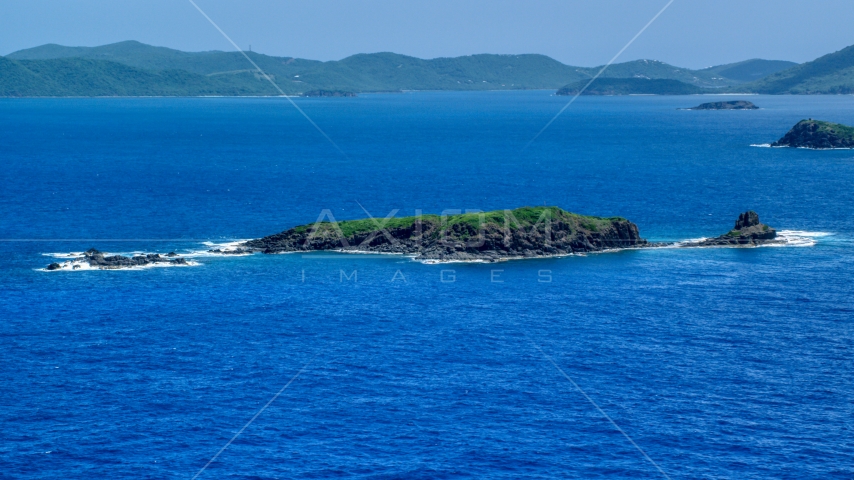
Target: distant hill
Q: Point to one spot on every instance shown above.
(133, 68)
(653, 69)
(394, 72)
(631, 86)
(358, 73)
(96, 78)
(140, 55)
(748, 70)
(831, 74)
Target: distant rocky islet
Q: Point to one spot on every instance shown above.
(727, 105)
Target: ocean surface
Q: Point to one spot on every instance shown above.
(717, 363)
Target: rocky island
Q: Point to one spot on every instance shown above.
(730, 105)
(490, 236)
(527, 232)
(748, 232)
(817, 135)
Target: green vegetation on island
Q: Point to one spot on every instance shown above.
(520, 218)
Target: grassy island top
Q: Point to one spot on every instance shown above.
(524, 218)
(843, 131)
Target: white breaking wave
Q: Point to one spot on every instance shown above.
(73, 255)
(798, 238)
(789, 238)
(687, 241)
(63, 254)
(768, 145)
(835, 148)
(227, 249)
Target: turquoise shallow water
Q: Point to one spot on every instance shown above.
(719, 363)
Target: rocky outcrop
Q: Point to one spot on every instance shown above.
(817, 135)
(730, 105)
(748, 232)
(96, 259)
(491, 236)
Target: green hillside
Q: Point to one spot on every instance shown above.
(358, 73)
(393, 72)
(95, 78)
(140, 55)
(655, 70)
(831, 74)
(748, 70)
(75, 76)
(631, 86)
(133, 68)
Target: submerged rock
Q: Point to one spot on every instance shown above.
(748, 232)
(818, 135)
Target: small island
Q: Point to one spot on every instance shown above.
(490, 236)
(748, 232)
(730, 105)
(817, 135)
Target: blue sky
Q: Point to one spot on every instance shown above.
(691, 33)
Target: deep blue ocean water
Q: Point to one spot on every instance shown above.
(718, 363)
